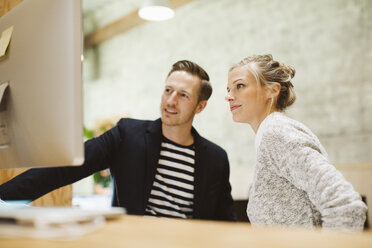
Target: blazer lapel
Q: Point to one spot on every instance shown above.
(200, 174)
(153, 140)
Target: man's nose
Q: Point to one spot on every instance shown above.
(172, 98)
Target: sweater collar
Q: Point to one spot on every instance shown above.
(261, 130)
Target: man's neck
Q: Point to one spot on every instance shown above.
(178, 134)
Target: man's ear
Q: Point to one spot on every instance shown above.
(201, 105)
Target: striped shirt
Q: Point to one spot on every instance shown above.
(172, 193)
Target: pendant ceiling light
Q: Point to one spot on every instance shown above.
(156, 10)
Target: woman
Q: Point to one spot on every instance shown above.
(294, 183)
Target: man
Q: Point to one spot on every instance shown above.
(161, 168)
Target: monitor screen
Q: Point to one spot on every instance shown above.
(41, 122)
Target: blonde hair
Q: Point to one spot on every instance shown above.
(267, 72)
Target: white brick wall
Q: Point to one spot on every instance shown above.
(329, 42)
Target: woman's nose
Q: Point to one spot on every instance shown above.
(229, 97)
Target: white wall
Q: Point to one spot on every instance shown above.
(329, 42)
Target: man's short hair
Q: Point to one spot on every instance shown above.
(205, 90)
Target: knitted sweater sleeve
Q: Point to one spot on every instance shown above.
(297, 155)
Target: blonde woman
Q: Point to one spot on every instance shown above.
(294, 183)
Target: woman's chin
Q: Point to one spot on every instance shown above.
(236, 119)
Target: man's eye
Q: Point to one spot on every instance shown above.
(167, 90)
(184, 95)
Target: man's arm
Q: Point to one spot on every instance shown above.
(34, 183)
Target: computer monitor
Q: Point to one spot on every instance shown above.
(41, 116)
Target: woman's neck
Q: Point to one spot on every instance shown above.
(256, 125)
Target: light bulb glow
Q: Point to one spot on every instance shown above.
(156, 13)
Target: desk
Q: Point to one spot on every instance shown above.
(137, 231)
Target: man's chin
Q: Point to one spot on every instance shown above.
(167, 121)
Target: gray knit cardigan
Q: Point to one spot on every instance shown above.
(294, 183)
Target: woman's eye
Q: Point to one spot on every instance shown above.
(238, 86)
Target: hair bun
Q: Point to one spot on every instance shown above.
(291, 71)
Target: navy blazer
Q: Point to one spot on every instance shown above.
(131, 151)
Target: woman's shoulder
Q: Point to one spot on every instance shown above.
(285, 138)
(285, 129)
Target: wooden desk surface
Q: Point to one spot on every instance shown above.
(136, 231)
